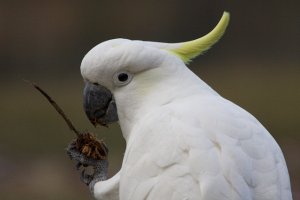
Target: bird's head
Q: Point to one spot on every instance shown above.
(117, 70)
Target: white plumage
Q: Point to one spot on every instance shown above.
(183, 140)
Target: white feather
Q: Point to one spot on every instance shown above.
(184, 141)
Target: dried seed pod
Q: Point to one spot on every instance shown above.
(90, 146)
(86, 143)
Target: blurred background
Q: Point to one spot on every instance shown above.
(256, 65)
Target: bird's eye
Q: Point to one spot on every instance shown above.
(122, 78)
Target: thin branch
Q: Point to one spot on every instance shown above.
(57, 108)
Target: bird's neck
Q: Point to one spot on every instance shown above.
(144, 97)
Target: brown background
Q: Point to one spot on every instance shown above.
(255, 65)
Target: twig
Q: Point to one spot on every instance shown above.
(57, 108)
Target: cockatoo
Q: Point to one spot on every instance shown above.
(183, 140)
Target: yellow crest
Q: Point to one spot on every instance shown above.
(189, 50)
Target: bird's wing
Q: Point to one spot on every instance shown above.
(212, 151)
(250, 164)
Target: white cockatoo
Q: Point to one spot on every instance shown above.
(183, 140)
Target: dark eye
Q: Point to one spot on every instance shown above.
(122, 78)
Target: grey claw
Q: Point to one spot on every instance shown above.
(86, 178)
(100, 167)
(78, 165)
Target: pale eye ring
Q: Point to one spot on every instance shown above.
(122, 78)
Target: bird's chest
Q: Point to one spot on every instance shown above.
(149, 161)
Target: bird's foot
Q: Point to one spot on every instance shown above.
(92, 170)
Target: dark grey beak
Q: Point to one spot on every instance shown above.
(99, 105)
